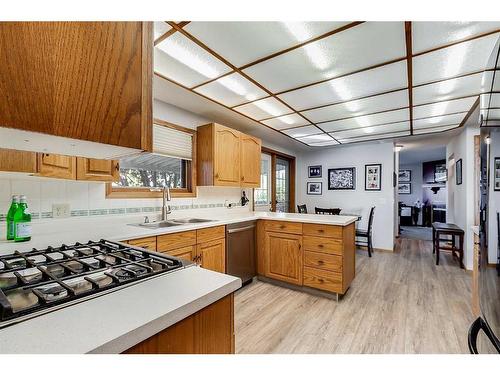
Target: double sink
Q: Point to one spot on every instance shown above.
(172, 223)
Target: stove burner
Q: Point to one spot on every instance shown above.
(39, 280)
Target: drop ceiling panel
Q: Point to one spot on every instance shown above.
(284, 122)
(236, 41)
(461, 58)
(315, 138)
(385, 78)
(443, 108)
(232, 90)
(373, 130)
(264, 108)
(494, 114)
(428, 35)
(360, 107)
(303, 131)
(359, 47)
(366, 121)
(160, 28)
(374, 137)
(449, 89)
(185, 62)
(438, 121)
(489, 101)
(434, 129)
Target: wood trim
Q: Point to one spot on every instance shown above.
(409, 69)
(471, 110)
(273, 182)
(168, 33)
(147, 87)
(115, 192)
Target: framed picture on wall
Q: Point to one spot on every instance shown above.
(404, 188)
(404, 175)
(314, 188)
(458, 172)
(342, 178)
(497, 174)
(315, 171)
(373, 177)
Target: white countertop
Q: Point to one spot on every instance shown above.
(54, 232)
(117, 321)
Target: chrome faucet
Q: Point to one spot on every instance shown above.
(165, 209)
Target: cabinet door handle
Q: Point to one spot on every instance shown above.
(242, 178)
(216, 175)
(117, 167)
(321, 262)
(282, 227)
(321, 280)
(320, 230)
(320, 246)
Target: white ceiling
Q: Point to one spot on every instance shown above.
(328, 83)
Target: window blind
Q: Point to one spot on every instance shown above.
(172, 143)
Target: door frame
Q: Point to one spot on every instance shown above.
(291, 159)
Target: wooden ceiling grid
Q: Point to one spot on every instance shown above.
(178, 27)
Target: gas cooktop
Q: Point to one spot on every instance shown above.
(39, 281)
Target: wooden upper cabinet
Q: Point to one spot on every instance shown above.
(283, 257)
(82, 80)
(57, 166)
(17, 161)
(97, 170)
(250, 161)
(227, 157)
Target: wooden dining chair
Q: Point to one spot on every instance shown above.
(327, 211)
(364, 237)
(302, 209)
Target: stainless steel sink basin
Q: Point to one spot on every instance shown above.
(192, 220)
(158, 224)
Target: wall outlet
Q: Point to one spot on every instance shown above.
(60, 210)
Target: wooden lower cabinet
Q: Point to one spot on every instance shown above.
(212, 255)
(209, 331)
(283, 257)
(148, 243)
(313, 255)
(186, 252)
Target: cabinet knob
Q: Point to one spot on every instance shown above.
(320, 246)
(242, 178)
(321, 280)
(216, 175)
(320, 230)
(320, 262)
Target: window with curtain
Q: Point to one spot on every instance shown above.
(170, 164)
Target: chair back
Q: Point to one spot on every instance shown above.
(327, 211)
(370, 219)
(302, 209)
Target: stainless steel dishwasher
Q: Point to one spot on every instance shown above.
(240, 251)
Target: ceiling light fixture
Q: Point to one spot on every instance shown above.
(268, 108)
(186, 57)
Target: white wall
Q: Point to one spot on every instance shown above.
(493, 199)
(460, 198)
(359, 199)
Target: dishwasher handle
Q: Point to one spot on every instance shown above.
(236, 230)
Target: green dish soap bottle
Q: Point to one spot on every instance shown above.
(10, 217)
(22, 221)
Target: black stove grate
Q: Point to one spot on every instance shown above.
(39, 280)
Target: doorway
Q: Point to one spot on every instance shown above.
(277, 183)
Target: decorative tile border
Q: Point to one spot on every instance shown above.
(123, 211)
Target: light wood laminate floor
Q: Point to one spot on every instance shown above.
(398, 303)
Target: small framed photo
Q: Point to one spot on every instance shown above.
(458, 173)
(315, 171)
(404, 175)
(404, 188)
(314, 188)
(342, 178)
(496, 176)
(373, 177)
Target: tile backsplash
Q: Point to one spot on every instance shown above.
(88, 198)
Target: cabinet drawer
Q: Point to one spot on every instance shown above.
(323, 230)
(283, 226)
(186, 252)
(209, 234)
(173, 241)
(324, 280)
(323, 245)
(323, 261)
(146, 243)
